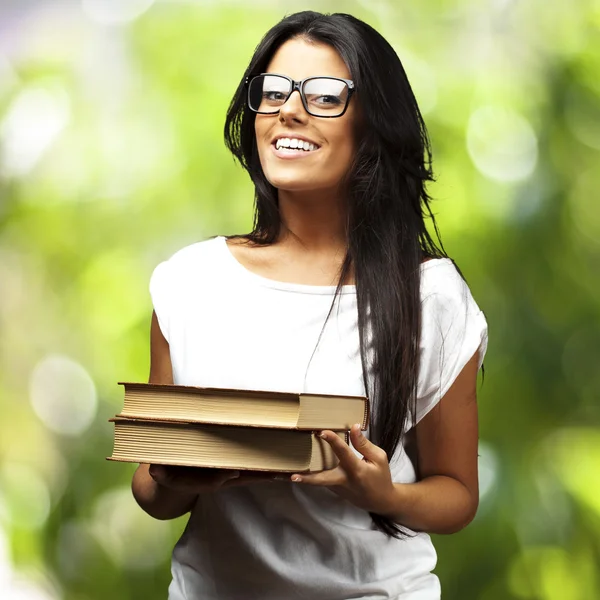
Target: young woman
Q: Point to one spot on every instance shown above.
(338, 289)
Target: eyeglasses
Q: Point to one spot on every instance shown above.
(321, 96)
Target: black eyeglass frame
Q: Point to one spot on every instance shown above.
(299, 86)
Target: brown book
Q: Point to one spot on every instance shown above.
(243, 407)
(207, 445)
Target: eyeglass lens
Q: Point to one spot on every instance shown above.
(324, 96)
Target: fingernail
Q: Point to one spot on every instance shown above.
(296, 478)
(323, 435)
(233, 475)
(357, 425)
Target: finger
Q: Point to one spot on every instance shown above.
(163, 474)
(156, 472)
(199, 479)
(332, 477)
(348, 460)
(190, 478)
(226, 476)
(368, 449)
(250, 476)
(245, 480)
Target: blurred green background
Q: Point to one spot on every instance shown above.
(111, 158)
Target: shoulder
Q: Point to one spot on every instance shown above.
(194, 257)
(444, 292)
(196, 253)
(188, 265)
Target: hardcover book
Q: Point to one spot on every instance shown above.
(218, 446)
(242, 407)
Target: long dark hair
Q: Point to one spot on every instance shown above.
(387, 206)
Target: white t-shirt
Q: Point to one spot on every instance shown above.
(229, 327)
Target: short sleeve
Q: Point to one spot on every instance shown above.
(453, 329)
(161, 292)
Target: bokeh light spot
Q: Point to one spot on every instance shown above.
(63, 395)
(502, 144)
(128, 535)
(32, 123)
(74, 549)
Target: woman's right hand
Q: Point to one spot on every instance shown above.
(196, 480)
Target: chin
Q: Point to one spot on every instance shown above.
(291, 185)
(297, 182)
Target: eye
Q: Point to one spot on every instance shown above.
(327, 99)
(273, 96)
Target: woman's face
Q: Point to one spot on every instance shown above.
(320, 169)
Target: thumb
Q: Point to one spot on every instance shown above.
(367, 448)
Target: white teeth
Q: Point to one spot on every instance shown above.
(294, 143)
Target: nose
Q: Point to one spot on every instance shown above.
(293, 109)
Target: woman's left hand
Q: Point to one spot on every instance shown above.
(366, 482)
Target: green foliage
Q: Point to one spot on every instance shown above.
(111, 158)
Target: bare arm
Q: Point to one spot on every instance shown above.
(446, 497)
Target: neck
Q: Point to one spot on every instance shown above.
(314, 220)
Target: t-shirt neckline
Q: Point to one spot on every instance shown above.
(301, 288)
(285, 286)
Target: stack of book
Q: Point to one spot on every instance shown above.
(232, 429)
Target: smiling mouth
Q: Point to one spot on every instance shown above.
(294, 145)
